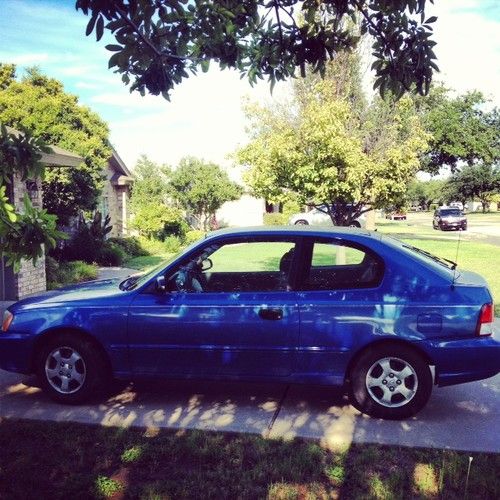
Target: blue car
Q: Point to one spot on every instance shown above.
(336, 306)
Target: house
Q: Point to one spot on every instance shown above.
(31, 277)
(116, 195)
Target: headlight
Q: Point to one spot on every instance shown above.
(7, 320)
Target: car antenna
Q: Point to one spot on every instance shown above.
(455, 272)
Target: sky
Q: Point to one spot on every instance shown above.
(204, 117)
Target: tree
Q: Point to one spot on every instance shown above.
(151, 183)
(159, 42)
(332, 151)
(153, 213)
(462, 130)
(40, 105)
(424, 193)
(478, 181)
(201, 189)
(23, 235)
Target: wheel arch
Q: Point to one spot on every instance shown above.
(385, 342)
(45, 336)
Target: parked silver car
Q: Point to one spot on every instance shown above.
(316, 217)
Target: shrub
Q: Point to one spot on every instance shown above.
(110, 255)
(275, 219)
(66, 273)
(131, 246)
(172, 244)
(193, 236)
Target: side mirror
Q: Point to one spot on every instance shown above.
(161, 284)
(206, 264)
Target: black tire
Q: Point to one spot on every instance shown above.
(368, 371)
(85, 376)
(355, 224)
(301, 222)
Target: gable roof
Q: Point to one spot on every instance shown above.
(57, 157)
(121, 174)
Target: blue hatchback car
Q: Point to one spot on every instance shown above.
(334, 306)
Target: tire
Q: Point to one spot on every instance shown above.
(301, 222)
(380, 388)
(70, 369)
(355, 224)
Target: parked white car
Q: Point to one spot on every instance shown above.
(316, 217)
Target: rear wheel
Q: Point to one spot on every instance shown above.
(70, 368)
(391, 382)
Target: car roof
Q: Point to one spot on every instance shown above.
(334, 231)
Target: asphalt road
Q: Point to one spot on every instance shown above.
(465, 417)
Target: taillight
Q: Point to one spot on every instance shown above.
(485, 321)
(7, 320)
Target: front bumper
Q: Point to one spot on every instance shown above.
(453, 225)
(464, 360)
(16, 352)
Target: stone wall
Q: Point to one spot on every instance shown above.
(31, 278)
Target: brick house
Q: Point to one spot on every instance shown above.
(116, 194)
(31, 278)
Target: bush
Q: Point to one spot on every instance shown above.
(110, 255)
(193, 236)
(172, 244)
(275, 219)
(66, 273)
(131, 246)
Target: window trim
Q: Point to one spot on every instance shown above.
(307, 254)
(246, 239)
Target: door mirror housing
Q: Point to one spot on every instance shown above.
(161, 284)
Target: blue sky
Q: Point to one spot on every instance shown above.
(204, 117)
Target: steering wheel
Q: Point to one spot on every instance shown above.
(189, 280)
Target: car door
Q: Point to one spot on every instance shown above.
(228, 310)
(337, 295)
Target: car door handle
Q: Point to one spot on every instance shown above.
(271, 313)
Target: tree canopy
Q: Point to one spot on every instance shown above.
(462, 129)
(159, 42)
(201, 188)
(480, 182)
(153, 214)
(333, 152)
(40, 105)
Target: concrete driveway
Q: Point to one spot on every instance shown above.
(465, 417)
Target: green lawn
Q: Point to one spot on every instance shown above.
(66, 460)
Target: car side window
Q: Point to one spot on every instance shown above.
(339, 265)
(239, 266)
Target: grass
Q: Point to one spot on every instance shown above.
(66, 460)
(473, 255)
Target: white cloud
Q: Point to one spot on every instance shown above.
(24, 59)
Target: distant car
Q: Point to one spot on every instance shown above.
(317, 217)
(449, 218)
(396, 215)
(339, 306)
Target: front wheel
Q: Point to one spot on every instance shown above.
(301, 222)
(70, 368)
(391, 382)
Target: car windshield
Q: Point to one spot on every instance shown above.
(452, 212)
(139, 279)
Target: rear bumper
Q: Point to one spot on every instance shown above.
(16, 352)
(465, 360)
